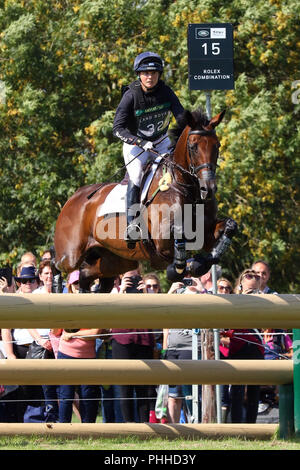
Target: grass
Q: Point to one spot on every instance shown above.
(133, 443)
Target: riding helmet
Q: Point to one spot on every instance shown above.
(148, 61)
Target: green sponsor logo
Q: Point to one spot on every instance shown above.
(159, 107)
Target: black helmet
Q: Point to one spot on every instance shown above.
(148, 61)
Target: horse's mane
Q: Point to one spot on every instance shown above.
(199, 119)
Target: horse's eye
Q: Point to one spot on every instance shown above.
(194, 147)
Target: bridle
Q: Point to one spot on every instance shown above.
(211, 168)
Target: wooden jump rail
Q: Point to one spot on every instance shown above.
(143, 311)
(149, 311)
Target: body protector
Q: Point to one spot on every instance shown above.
(145, 116)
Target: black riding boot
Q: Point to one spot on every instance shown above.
(133, 232)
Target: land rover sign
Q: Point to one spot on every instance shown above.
(210, 48)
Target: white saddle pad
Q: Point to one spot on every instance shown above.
(115, 201)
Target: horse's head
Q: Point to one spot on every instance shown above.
(202, 149)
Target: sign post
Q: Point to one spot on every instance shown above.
(210, 48)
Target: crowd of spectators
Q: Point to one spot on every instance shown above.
(128, 403)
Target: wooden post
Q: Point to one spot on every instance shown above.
(208, 391)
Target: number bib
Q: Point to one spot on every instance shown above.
(153, 122)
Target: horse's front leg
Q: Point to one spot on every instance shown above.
(216, 244)
(223, 233)
(177, 270)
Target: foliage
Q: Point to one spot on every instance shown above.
(64, 63)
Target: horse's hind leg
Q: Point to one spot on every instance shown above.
(100, 263)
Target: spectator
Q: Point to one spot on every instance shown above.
(152, 285)
(278, 344)
(178, 346)
(77, 344)
(5, 287)
(16, 344)
(133, 344)
(46, 256)
(117, 283)
(80, 344)
(224, 286)
(45, 338)
(262, 268)
(189, 285)
(245, 347)
(273, 348)
(248, 283)
(110, 403)
(28, 258)
(207, 281)
(73, 282)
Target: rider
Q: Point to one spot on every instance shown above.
(141, 122)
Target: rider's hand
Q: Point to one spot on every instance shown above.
(145, 144)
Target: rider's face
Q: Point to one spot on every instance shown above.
(149, 79)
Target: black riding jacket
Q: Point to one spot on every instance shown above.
(145, 116)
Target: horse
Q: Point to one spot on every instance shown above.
(191, 182)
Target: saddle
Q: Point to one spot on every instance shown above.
(115, 201)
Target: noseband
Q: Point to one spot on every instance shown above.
(210, 173)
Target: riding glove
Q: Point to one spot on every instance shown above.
(145, 144)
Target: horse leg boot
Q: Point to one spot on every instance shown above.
(133, 231)
(200, 265)
(225, 240)
(176, 270)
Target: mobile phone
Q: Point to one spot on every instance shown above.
(7, 273)
(133, 289)
(187, 281)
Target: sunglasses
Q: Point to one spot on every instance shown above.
(152, 286)
(251, 276)
(227, 288)
(27, 281)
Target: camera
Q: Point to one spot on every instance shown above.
(187, 281)
(7, 273)
(133, 289)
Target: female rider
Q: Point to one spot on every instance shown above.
(141, 122)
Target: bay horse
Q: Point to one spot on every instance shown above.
(191, 170)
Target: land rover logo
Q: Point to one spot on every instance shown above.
(202, 33)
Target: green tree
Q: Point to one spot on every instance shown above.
(64, 63)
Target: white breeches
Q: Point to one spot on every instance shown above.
(135, 164)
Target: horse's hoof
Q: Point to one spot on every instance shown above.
(199, 265)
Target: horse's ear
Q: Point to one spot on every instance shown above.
(189, 118)
(215, 121)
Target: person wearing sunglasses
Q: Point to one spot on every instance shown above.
(245, 344)
(133, 344)
(16, 342)
(152, 284)
(248, 283)
(224, 286)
